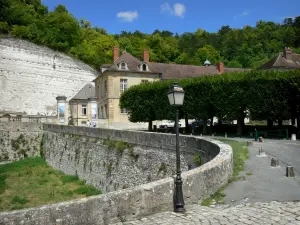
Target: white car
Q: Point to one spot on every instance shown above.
(169, 124)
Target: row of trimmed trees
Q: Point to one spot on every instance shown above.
(260, 95)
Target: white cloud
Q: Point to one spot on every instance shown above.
(178, 9)
(243, 14)
(128, 16)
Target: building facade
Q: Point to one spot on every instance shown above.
(126, 71)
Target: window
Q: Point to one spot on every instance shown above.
(123, 111)
(102, 112)
(144, 67)
(123, 85)
(83, 108)
(123, 66)
(106, 111)
(145, 81)
(105, 87)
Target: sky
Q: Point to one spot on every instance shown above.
(177, 16)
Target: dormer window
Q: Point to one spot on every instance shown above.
(143, 67)
(123, 66)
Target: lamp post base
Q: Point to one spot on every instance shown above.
(178, 196)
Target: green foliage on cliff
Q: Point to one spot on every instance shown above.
(60, 30)
(232, 96)
(31, 182)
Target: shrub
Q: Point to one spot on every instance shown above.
(3, 27)
(121, 146)
(197, 159)
(21, 31)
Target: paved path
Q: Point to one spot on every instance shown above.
(250, 200)
(287, 151)
(259, 213)
(263, 183)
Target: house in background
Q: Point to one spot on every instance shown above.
(283, 61)
(83, 107)
(115, 78)
(126, 70)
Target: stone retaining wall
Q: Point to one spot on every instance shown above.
(19, 140)
(107, 164)
(141, 200)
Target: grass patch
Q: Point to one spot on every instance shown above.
(249, 174)
(31, 182)
(240, 154)
(87, 190)
(68, 179)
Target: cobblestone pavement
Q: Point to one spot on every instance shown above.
(258, 213)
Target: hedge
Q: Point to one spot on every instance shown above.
(260, 95)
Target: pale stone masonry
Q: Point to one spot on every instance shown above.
(32, 76)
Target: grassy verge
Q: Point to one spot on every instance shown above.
(240, 154)
(31, 182)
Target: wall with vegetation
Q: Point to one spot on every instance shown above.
(106, 163)
(19, 140)
(126, 204)
(114, 159)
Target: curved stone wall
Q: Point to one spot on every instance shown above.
(141, 200)
(32, 76)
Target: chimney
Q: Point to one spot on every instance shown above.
(287, 53)
(146, 56)
(116, 53)
(220, 67)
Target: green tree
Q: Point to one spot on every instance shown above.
(207, 52)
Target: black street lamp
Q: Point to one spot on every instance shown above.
(176, 97)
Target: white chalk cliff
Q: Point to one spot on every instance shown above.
(32, 76)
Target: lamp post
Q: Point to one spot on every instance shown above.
(176, 96)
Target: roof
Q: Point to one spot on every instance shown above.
(168, 71)
(280, 61)
(88, 91)
(229, 70)
(132, 62)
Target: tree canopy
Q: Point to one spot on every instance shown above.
(262, 95)
(59, 29)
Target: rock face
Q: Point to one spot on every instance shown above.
(31, 77)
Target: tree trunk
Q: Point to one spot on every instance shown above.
(204, 126)
(186, 120)
(212, 125)
(269, 123)
(212, 121)
(240, 126)
(293, 120)
(150, 125)
(280, 123)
